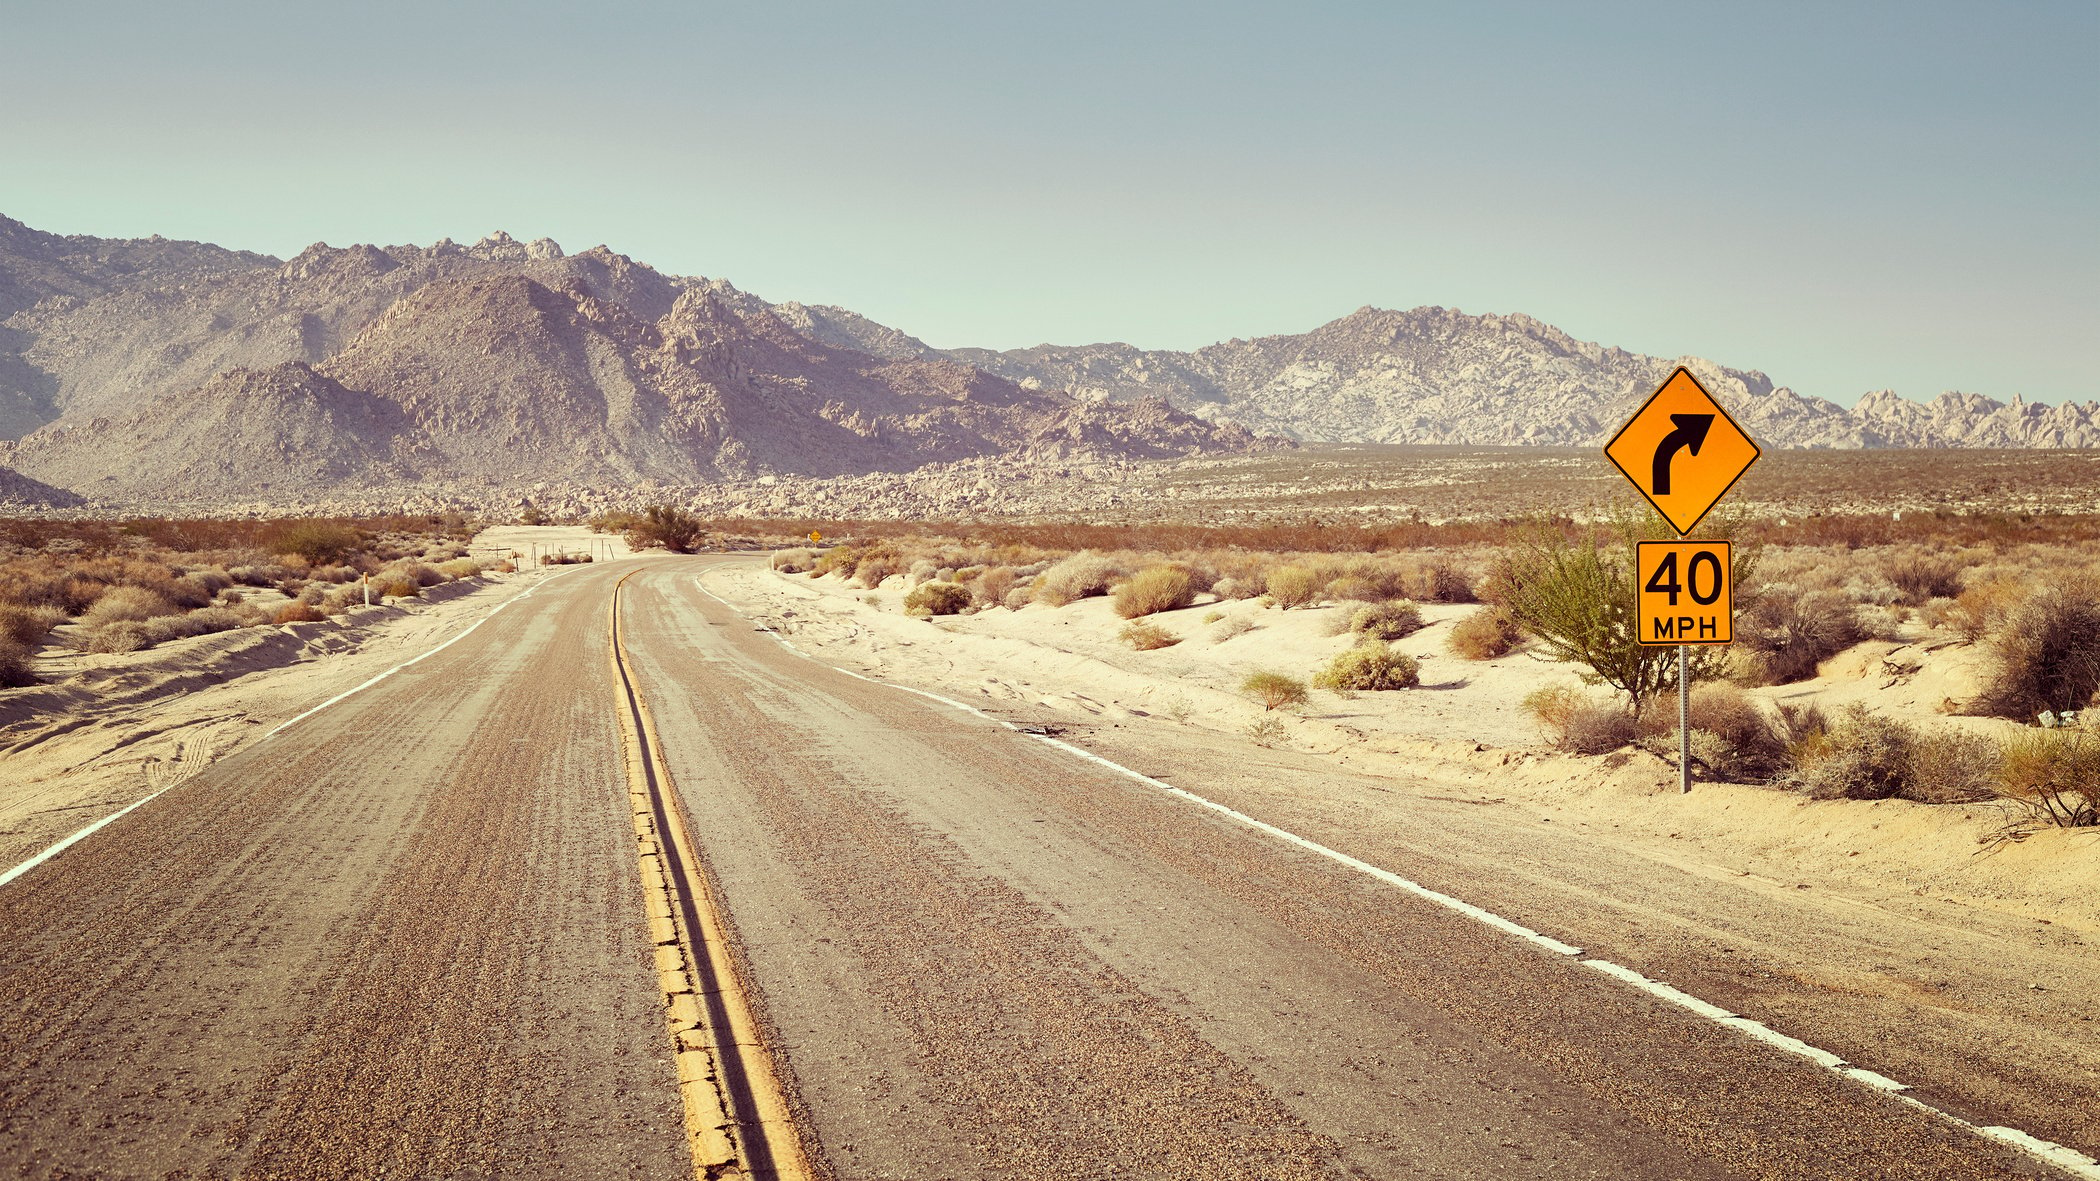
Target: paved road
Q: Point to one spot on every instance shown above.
(403, 939)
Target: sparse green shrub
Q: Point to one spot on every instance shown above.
(298, 612)
(1386, 621)
(1486, 634)
(938, 598)
(531, 515)
(2053, 776)
(1783, 636)
(1371, 665)
(1274, 690)
(664, 526)
(1294, 586)
(2044, 653)
(1145, 636)
(1169, 586)
(1084, 575)
(794, 561)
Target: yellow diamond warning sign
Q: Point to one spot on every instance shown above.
(1687, 592)
(1682, 451)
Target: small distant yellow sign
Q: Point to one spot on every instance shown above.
(1682, 450)
(815, 536)
(1687, 593)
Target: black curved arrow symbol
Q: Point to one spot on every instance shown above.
(1689, 435)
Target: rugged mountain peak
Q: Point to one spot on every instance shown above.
(350, 262)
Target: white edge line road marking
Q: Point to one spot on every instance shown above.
(2070, 1160)
(90, 830)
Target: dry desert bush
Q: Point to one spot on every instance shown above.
(1168, 586)
(1084, 575)
(938, 598)
(1371, 665)
(1146, 636)
(1578, 723)
(2052, 776)
(2044, 652)
(1386, 621)
(1486, 634)
(1274, 690)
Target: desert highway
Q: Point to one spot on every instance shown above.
(448, 925)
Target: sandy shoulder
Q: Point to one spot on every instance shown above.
(1464, 732)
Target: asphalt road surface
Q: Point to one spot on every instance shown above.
(404, 938)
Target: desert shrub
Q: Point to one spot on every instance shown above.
(1251, 586)
(123, 635)
(873, 569)
(1371, 665)
(455, 568)
(663, 526)
(1577, 598)
(938, 598)
(2044, 653)
(839, 558)
(395, 588)
(335, 574)
(1213, 616)
(1742, 741)
(211, 578)
(1923, 576)
(1979, 610)
(924, 570)
(506, 567)
(1266, 730)
(298, 612)
(1437, 582)
(417, 572)
(1863, 756)
(1577, 723)
(1236, 626)
(126, 604)
(794, 561)
(1784, 636)
(1952, 767)
(1169, 586)
(1274, 690)
(28, 626)
(1485, 634)
(258, 575)
(991, 588)
(185, 592)
(1294, 586)
(1081, 576)
(1386, 621)
(194, 623)
(1019, 597)
(2053, 776)
(14, 664)
(1354, 587)
(1145, 636)
(317, 542)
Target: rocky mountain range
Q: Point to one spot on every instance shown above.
(1439, 376)
(155, 370)
(152, 369)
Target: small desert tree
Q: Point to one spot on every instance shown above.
(664, 526)
(1576, 595)
(1274, 690)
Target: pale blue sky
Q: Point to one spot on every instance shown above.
(1846, 196)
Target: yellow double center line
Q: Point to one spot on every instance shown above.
(736, 1113)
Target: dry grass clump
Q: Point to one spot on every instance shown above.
(1486, 634)
(1237, 625)
(1577, 723)
(1084, 575)
(1731, 733)
(1437, 582)
(994, 586)
(2053, 776)
(1782, 636)
(938, 598)
(795, 561)
(27, 627)
(455, 568)
(1168, 586)
(396, 588)
(126, 604)
(1274, 690)
(204, 622)
(318, 542)
(1251, 585)
(1981, 608)
(1864, 756)
(1953, 767)
(1386, 621)
(1922, 576)
(2044, 653)
(1372, 665)
(1146, 636)
(1294, 586)
(298, 611)
(124, 635)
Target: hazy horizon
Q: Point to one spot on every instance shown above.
(1878, 197)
